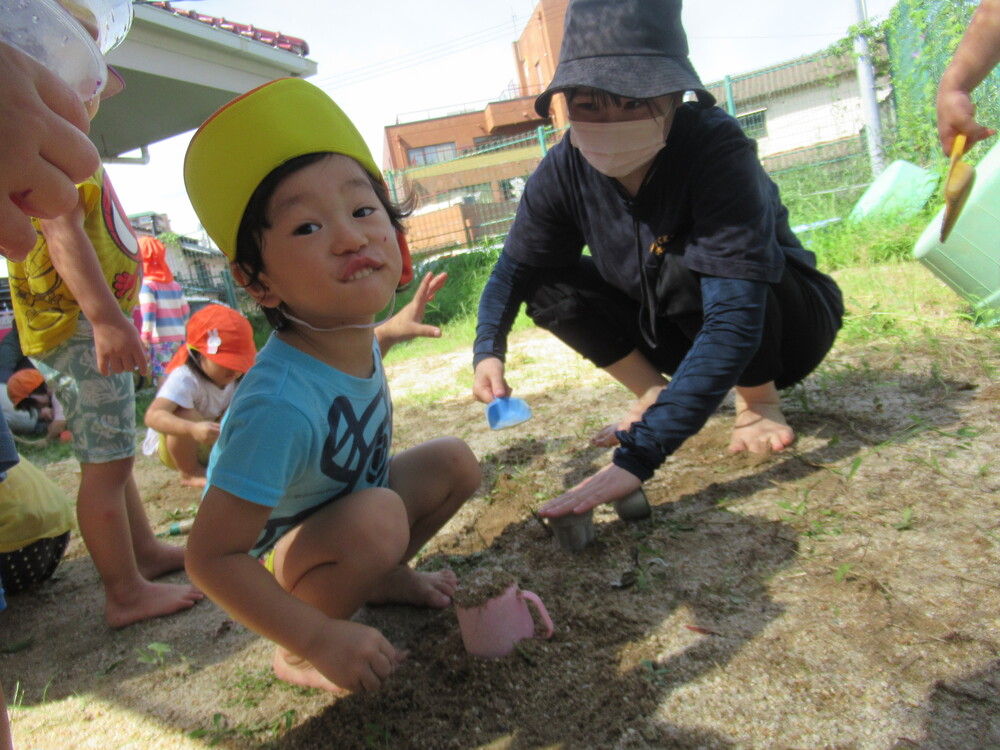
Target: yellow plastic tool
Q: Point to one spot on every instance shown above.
(961, 177)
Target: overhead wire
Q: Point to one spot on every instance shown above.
(418, 57)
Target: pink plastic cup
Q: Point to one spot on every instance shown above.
(490, 631)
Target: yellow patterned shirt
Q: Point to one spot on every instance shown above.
(44, 307)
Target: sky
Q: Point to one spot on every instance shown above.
(387, 59)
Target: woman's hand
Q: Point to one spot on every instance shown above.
(43, 150)
(489, 382)
(609, 484)
(957, 114)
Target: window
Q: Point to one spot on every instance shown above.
(512, 189)
(753, 123)
(485, 143)
(431, 154)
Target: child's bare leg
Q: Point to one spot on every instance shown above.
(105, 524)
(154, 557)
(760, 426)
(184, 452)
(433, 479)
(636, 373)
(333, 561)
(183, 449)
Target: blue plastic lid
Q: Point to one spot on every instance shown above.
(507, 412)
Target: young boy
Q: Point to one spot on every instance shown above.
(306, 516)
(72, 297)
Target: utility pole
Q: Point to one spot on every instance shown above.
(869, 97)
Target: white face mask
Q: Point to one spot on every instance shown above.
(619, 148)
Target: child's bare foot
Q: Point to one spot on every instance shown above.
(291, 668)
(159, 559)
(760, 426)
(404, 585)
(148, 601)
(192, 481)
(607, 438)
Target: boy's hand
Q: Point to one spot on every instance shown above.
(408, 323)
(489, 382)
(118, 347)
(356, 657)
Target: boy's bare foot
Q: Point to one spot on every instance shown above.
(148, 601)
(291, 668)
(404, 585)
(159, 559)
(191, 481)
(760, 426)
(607, 438)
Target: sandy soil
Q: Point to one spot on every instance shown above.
(843, 594)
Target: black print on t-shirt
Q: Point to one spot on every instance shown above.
(348, 456)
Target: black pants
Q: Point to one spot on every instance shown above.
(602, 324)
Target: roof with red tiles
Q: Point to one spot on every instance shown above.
(272, 38)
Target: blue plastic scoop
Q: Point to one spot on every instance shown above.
(507, 412)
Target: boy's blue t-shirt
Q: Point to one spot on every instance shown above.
(299, 435)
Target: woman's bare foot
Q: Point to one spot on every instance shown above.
(404, 585)
(760, 426)
(193, 481)
(159, 559)
(149, 600)
(607, 438)
(297, 671)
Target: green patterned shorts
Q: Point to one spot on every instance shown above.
(100, 409)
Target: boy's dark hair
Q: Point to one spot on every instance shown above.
(250, 234)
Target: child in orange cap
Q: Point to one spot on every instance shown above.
(307, 514)
(163, 306)
(183, 419)
(28, 391)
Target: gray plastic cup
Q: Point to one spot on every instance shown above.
(573, 531)
(634, 507)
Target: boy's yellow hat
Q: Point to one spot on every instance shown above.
(243, 142)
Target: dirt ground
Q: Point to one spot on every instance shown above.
(843, 594)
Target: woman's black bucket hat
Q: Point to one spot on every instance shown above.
(633, 48)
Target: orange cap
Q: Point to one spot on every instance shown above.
(23, 383)
(220, 334)
(154, 260)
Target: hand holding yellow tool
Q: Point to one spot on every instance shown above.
(958, 185)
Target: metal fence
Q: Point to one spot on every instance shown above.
(471, 199)
(922, 36)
